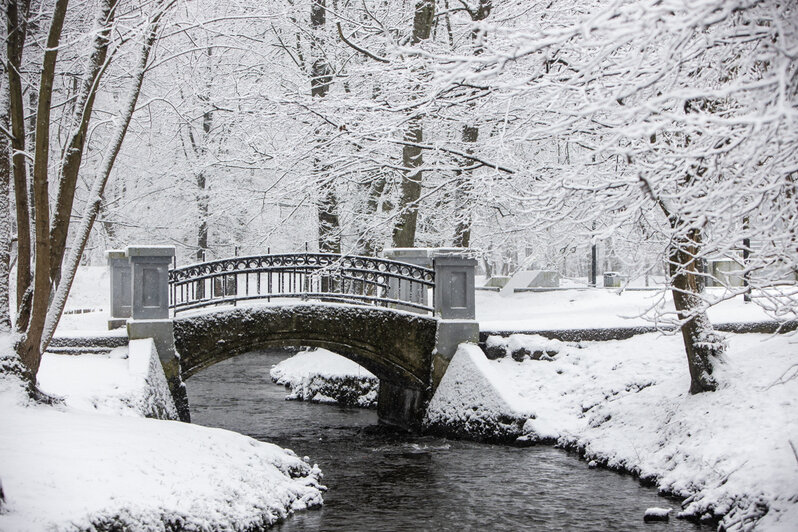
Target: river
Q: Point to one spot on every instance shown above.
(381, 480)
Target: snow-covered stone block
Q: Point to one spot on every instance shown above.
(522, 346)
(657, 514)
(471, 401)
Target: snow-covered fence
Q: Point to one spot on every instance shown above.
(317, 276)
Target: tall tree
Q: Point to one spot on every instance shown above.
(50, 284)
(321, 76)
(404, 231)
(464, 186)
(17, 26)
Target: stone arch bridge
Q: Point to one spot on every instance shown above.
(401, 317)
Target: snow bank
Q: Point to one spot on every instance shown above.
(625, 405)
(92, 463)
(65, 470)
(326, 377)
(128, 381)
(471, 402)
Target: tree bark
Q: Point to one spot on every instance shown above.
(703, 346)
(16, 19)
(376, 201)
(73, 155)
(464, 194)
(320, 79)
(465, 182)
(404, 232)
(200, 149)
(5, 218)
(29, 351)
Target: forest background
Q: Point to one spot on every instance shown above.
(664, 132)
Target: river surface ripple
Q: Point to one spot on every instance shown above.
(381, 480)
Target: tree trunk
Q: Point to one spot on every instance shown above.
(200, 150)
(5, 219)
(73, 155)
(320, 80)
(704, 347)
(404, 232)
(376, 200)
(101, 179)
(464, 194)
(16, 17)
(29, 349)
(202, 210)
(465, 185)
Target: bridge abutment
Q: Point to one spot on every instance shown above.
(140, 300)
(401, 406)
(455, 306)
(454, 300)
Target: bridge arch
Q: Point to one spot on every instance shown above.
(396, 346)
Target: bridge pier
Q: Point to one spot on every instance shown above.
(455, 306)
(401, 406)
(140, 300)
(454, 299)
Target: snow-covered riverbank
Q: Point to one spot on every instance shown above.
(92, 463)
(624, 405)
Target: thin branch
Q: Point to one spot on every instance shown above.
(358, 48)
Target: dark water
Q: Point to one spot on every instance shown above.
(380, 480)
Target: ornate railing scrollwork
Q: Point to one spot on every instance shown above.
(307, 276)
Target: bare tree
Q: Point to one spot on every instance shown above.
(50, 284)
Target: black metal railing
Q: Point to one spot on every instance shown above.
(306, 276)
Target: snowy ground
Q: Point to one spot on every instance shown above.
(322, 376)
(129, 381)
(625, 405)
(91, 464)
(592, 308)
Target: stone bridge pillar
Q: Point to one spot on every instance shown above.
(455, 307)
(422, 257)
(119, 273)
(454, 298)
(140, 298)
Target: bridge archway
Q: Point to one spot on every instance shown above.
(395, 346)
